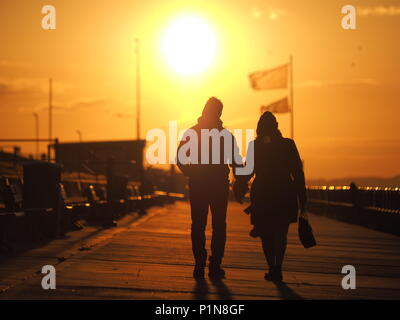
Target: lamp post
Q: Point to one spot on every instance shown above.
(79, 154)
(50, 109)
(50, 118)
(79, 135)
(137, 89)
(37, 133)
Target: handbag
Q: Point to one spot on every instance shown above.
(305, 233)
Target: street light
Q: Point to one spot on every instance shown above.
(37, 133)
(80, 135)
(79, 154)
(137, 51)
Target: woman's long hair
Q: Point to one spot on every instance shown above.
(267, 126)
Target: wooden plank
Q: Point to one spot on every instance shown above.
(152, 259)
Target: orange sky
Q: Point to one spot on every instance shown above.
(346, 81)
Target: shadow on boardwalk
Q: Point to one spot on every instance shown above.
(151, 259)
(201, 289)
(286, 292)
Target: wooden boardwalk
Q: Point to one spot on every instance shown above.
(152, 259)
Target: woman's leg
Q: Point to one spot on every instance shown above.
(268, 248)
(280, 243)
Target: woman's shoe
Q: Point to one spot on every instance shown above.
(278, 274)
(274, 274)
(254, 233)
(270, 276)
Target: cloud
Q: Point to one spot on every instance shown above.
(26, 95)
(9, 86)
(14, 64)
(378, 11)
(21, 85)
(337, 83)
(88, 103)
(78, 105)
(63, 107)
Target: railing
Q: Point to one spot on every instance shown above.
(31, 211)
(380, 198)
(374, 207)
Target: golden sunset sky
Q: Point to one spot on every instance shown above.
(346, 82)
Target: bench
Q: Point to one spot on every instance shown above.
(19, 222)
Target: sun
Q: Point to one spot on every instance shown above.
(189, 45)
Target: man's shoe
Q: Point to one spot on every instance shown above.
(216, 272)
(199, 272)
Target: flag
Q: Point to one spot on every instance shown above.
(280, 106)
(270, 79)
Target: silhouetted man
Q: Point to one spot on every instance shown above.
(208, 183)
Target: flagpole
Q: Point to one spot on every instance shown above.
(50, 117)
(291, 98)
(50, 109)
(137, 89)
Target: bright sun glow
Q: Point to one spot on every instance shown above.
(189, 45)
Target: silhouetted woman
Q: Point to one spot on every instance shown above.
(277, 191)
